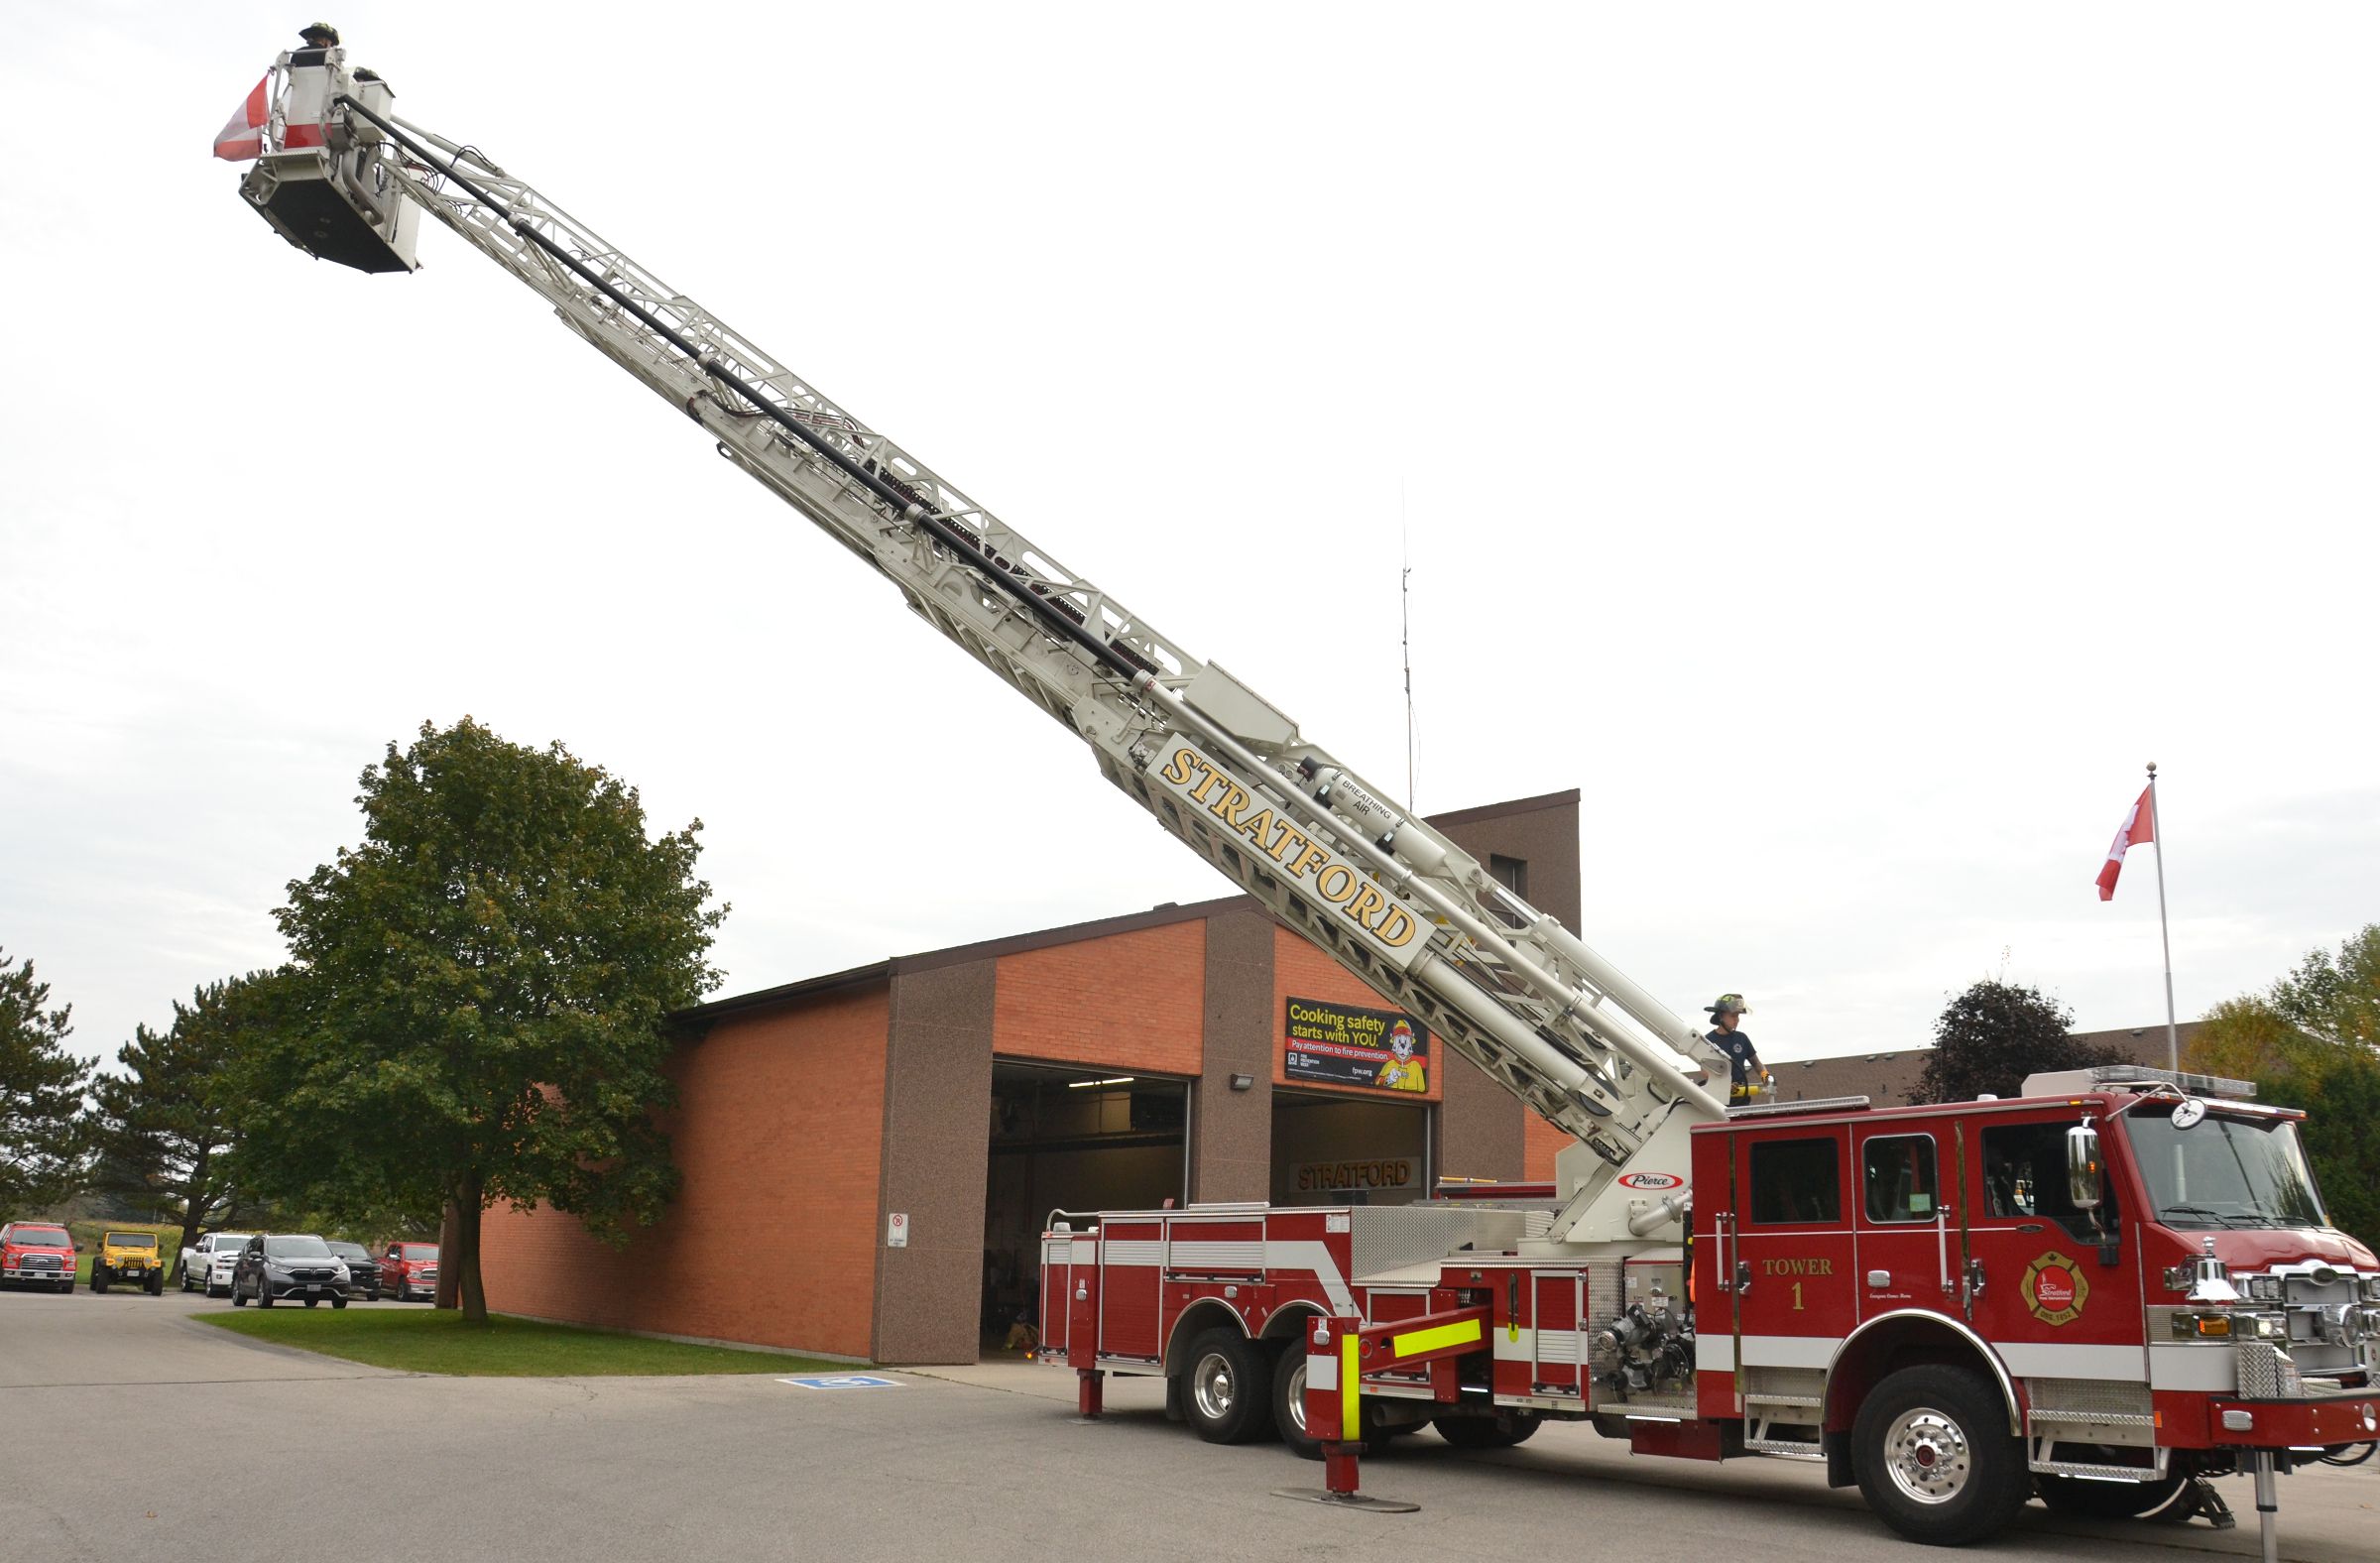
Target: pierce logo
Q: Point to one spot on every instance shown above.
(1652, 1181)
(2054, 1290)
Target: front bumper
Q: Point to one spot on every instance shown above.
(282, 1286)
(2347, 1416)
(48, 1273)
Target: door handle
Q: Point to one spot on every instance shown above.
(1744, 1275)
(1974, 1280)
(1879, 1279)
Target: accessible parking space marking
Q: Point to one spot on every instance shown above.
(843, 1381)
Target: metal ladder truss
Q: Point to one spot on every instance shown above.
(1508, 986)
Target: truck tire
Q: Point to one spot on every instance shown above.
(1503, 1430)
(338, 1302)
(156, 1284)
(1225, 1389)
(264, 1292)
(1935, 1457)
(1289, 1402)
(99, 1280)
(2067, 1494)
(1289, 1410)
(237, 1300)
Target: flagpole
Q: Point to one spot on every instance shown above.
(2173, 1032)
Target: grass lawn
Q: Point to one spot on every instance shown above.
(433, 1340)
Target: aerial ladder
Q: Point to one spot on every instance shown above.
(1403, 908)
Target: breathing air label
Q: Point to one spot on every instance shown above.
(1396, 928)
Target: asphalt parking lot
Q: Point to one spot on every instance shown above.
(127, 1427)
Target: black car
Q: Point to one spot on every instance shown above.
(363, 1270)
(294, 1266)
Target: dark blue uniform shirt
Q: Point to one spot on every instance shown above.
(1741, 1060)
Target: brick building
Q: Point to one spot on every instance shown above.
(867, 1154)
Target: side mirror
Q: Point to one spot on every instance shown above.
(2082, 1171)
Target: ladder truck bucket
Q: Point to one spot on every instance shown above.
(329, 188)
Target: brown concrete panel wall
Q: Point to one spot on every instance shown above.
(1123, 1000)
(1232, 1157)
(1483, 1131)
(777, 1136)
(1542, 832)
(936, 1161)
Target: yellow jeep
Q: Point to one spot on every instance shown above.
(130, 1258)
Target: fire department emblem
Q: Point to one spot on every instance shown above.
(2054, 1290)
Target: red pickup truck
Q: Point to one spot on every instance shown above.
(38, 1253)
(408, 1270)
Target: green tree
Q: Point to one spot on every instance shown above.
(476, 997)
(1991, 1037)
(42, 1087)
(2313, 1040)
(167, 1126)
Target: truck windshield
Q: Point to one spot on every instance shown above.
(40, 1237)
(420, 1251)
(2225, 1171)
(131, 1240)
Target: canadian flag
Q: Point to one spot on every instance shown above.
(243, 134)
(2139, 825)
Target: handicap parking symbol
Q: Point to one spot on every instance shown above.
(844, 1380)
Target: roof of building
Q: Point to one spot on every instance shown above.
(1042, 938)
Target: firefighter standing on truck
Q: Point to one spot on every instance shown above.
(1745, 1076)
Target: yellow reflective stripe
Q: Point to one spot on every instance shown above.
(1438, 1339)
(1351, 1403)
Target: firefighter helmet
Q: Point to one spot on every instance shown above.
(323, 31)
(1729, 1003)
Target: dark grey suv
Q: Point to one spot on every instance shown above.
(295, 1267)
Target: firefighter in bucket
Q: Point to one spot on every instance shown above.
(1746, 1079)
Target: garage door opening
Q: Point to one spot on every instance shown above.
(1333, 1149)
(1070, 1139)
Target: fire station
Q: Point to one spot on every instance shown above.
(869, 1155)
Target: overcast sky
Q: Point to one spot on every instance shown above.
(1843, 441)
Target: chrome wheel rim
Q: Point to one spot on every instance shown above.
(1927, 1453)
(1295, 1409)
(1212, 1386)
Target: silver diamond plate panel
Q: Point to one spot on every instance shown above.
(2267, 1373)
(1392, 1237)
(2088, 1398)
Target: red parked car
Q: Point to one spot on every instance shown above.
(408, 1270)
(37, 1253)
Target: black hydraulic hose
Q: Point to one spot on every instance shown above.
(903, 504)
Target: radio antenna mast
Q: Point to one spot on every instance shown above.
(1404, 604)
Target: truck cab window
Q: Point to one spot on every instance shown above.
(1897, 1174)
(2024, 1176)
(1795, 1180)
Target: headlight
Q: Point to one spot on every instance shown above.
(2265, 1288)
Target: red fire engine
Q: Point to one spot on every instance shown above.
(2122, 1280)
(2099, 1290)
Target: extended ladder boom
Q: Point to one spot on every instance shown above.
(1398, 905)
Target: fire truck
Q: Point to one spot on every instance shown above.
(2117, 1283)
